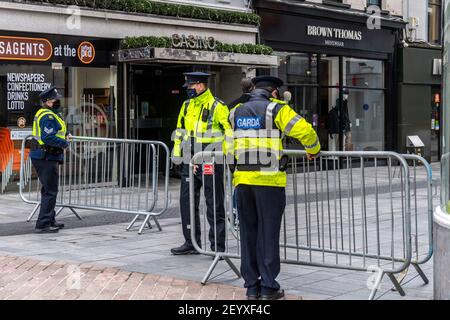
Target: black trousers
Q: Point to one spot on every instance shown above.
(48, 175)
(260, 212)
(217, 235)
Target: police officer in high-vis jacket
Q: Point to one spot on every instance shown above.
(48, 144)
(259, 126)
(202, 122)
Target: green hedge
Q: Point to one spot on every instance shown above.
(166, 42)
(164, 9)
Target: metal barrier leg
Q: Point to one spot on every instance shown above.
(421, 273)
(141, 229)
(33, 212)
(217, 258)
(76, 214)
(376, 285)
(233, 267)
(397, 284)
(211, 269)
(132, 223)
(59, 211)
(157, 223)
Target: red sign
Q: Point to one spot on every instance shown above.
(21, 48)
(208, 169)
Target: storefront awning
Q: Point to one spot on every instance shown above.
(169, 55)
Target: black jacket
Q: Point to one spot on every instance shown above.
(242, 99)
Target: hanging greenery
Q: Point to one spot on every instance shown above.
(166, 42)
(160, 8)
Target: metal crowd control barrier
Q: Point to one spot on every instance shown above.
(111, 175)
(345, 210)
(421, 212)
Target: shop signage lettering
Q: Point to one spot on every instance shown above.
(336, 33)
(20, 48)
(40, 49)
(193, 42)
(22, 89)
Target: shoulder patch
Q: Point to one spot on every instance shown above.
(48, 130)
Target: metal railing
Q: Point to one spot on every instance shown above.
(345, 210)
(111, 175)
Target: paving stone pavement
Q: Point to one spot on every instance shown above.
(116, 254)
(31, 279)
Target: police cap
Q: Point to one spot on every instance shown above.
(49, 94)
(196, 77)
(267, 81)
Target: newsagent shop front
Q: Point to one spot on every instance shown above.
(83, 69)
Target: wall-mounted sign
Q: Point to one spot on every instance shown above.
(21, 122)
(57, 50)
(20, 134)
(193, 42)
(334, 36)
(315, 33)
(22, 48)
(23, 89)
(86, 52)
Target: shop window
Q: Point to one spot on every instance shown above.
(434, 21)
(364, 73)
(301, 68)
(91, 102)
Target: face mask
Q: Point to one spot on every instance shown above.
(56, 106)
(191, 93)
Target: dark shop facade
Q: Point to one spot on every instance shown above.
(329, 58)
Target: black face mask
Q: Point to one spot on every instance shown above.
(57, 106)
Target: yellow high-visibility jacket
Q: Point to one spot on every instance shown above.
(259, 126)
(203, 118)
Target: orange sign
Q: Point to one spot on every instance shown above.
(86, 52)
(21, 48)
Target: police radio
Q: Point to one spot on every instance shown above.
(205, 115)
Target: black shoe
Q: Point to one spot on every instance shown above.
(274, 296)
(47, 230)
(253, 297)
(58, 225)
(185, 249)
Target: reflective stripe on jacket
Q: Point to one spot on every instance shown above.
(203, 119)
(258, 130)
(37, 128)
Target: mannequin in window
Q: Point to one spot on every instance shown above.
(333, 125)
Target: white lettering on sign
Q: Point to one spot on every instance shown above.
(336, 33)
(20, 88)
(193, 42)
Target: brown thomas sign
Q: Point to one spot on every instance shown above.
(22, 48)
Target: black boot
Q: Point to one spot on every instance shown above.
(47, 230)
(58, 225)
(274, 296)
(185, 249)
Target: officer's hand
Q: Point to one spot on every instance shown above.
(195, 168)
(69, 137)
(311, 157)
